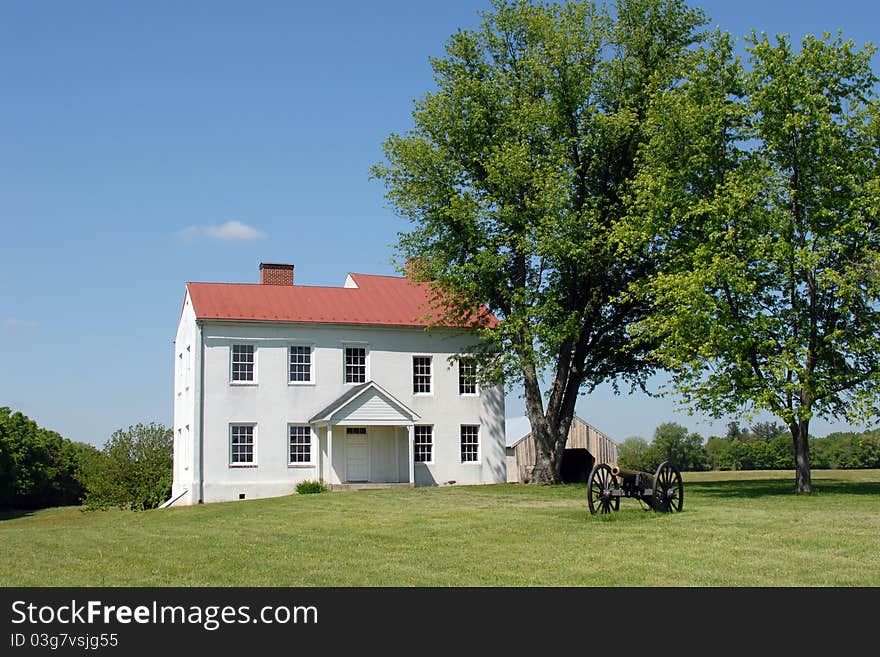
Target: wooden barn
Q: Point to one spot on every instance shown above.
(586, 446)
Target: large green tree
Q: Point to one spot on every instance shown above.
(761, 189)
(514, 177)
(133, 471)
(634, 453)
(674, 443)
(38, 467)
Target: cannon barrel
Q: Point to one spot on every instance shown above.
(627, 475)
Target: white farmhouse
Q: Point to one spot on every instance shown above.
(276, 383)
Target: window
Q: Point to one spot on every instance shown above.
(470, 443)
(242, 362)
(300, 367)
(421, 375)
(356, 431)
(423, 445)
(467, 376)
(355, 364)
(300, 443)
(241, 445)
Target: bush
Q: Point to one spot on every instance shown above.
(306, 487)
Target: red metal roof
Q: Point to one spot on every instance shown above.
(377, 301)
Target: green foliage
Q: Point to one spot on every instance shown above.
(759, 190)
(38, 467)
(514, 177)
(673, 443)
(719, 453)
(761, 431)
(763, 446)
(768, 431)
(310, 486)
(847, 450)
(840, 450)
(134, 470)
(632, 454)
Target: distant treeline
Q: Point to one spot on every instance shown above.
(39, 468)
(764, 446)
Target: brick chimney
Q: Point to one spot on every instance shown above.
(275, 274)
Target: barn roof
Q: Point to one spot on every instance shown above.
(515, 429)
(517, 425)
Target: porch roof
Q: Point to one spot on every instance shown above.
(384, 407)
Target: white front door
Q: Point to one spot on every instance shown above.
(357, 458)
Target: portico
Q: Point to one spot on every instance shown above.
(366, 439)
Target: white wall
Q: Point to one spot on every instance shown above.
(187, 363)
(271, 403)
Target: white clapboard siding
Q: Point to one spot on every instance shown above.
(371, 407)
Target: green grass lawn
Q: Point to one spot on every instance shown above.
(737, 529)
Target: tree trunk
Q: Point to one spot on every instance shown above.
(548, 435)
(800, 434)
(548, 462)
(548, 453)
(550, 425)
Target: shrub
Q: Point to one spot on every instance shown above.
(309, 486)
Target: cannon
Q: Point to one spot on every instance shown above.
(662, 491)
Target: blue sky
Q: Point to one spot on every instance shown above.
(146, 144)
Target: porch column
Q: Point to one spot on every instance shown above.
(411, 437)
(315, 437)
(329, 454)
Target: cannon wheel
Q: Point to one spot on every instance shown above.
(600, 483)
(668, 489)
